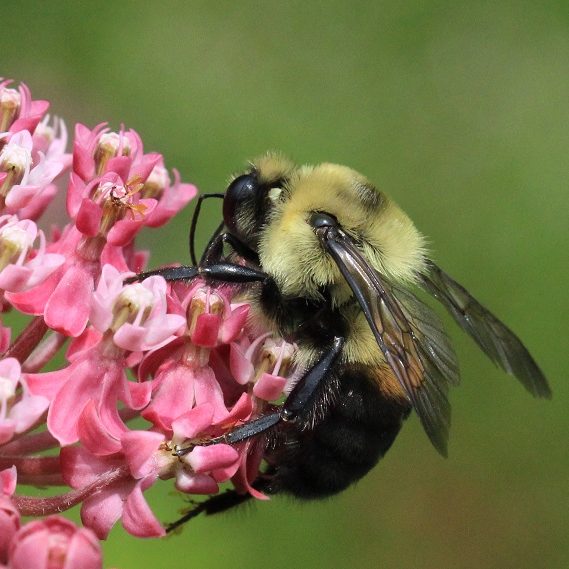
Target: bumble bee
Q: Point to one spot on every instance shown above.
(329, 262)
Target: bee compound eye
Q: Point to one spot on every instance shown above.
(243, 189)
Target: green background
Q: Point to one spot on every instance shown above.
(459, 110)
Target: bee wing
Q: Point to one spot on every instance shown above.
(495, 339)
(409, 335)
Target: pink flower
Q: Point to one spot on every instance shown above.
(103, 226)
(5, 335)
(131, 317)
(98, 151)
(264, 363)
(17, 412)
(51, 140)
(25, 178)
(54, 543)
(211, 318)
(64, 297)
(208, 465)
(136, 313)
(110, 207)
(171, 197)
(22, 267)
(201, 367)
(143, 458)
(182, 381)
(95, 374)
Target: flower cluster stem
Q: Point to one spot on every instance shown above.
(27, 341)
(34, 506)
(29, 444)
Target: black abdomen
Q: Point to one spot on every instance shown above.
(358, 427)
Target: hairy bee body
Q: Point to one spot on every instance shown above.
(329, 262)
(354, 415)
(348, 428)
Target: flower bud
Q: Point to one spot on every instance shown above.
(54, 543)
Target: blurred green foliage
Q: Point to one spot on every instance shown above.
(459, 111)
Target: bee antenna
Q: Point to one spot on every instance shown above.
(194, 224)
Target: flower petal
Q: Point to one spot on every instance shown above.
(138, 519)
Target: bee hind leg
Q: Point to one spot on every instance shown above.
(213, 505)
(222, 502)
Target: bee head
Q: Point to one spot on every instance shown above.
(250, 197)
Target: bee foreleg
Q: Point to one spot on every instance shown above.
(183, 273)
(224, 272)
(214, 250)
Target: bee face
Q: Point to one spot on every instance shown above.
(250, 197)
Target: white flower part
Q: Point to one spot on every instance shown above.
(17, 154)
(103, 299)
(51, 139)
(7, 388)
(18, 269)
(138, 299)
(114, 143)
(10, 97)
(16, 238)
(9, 376)
(43, 264)
(158, 177)
(278, 352)
(111, 191)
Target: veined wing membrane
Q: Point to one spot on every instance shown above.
(495, 339)
(408, 333)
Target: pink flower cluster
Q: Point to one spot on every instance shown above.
(181, 357)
